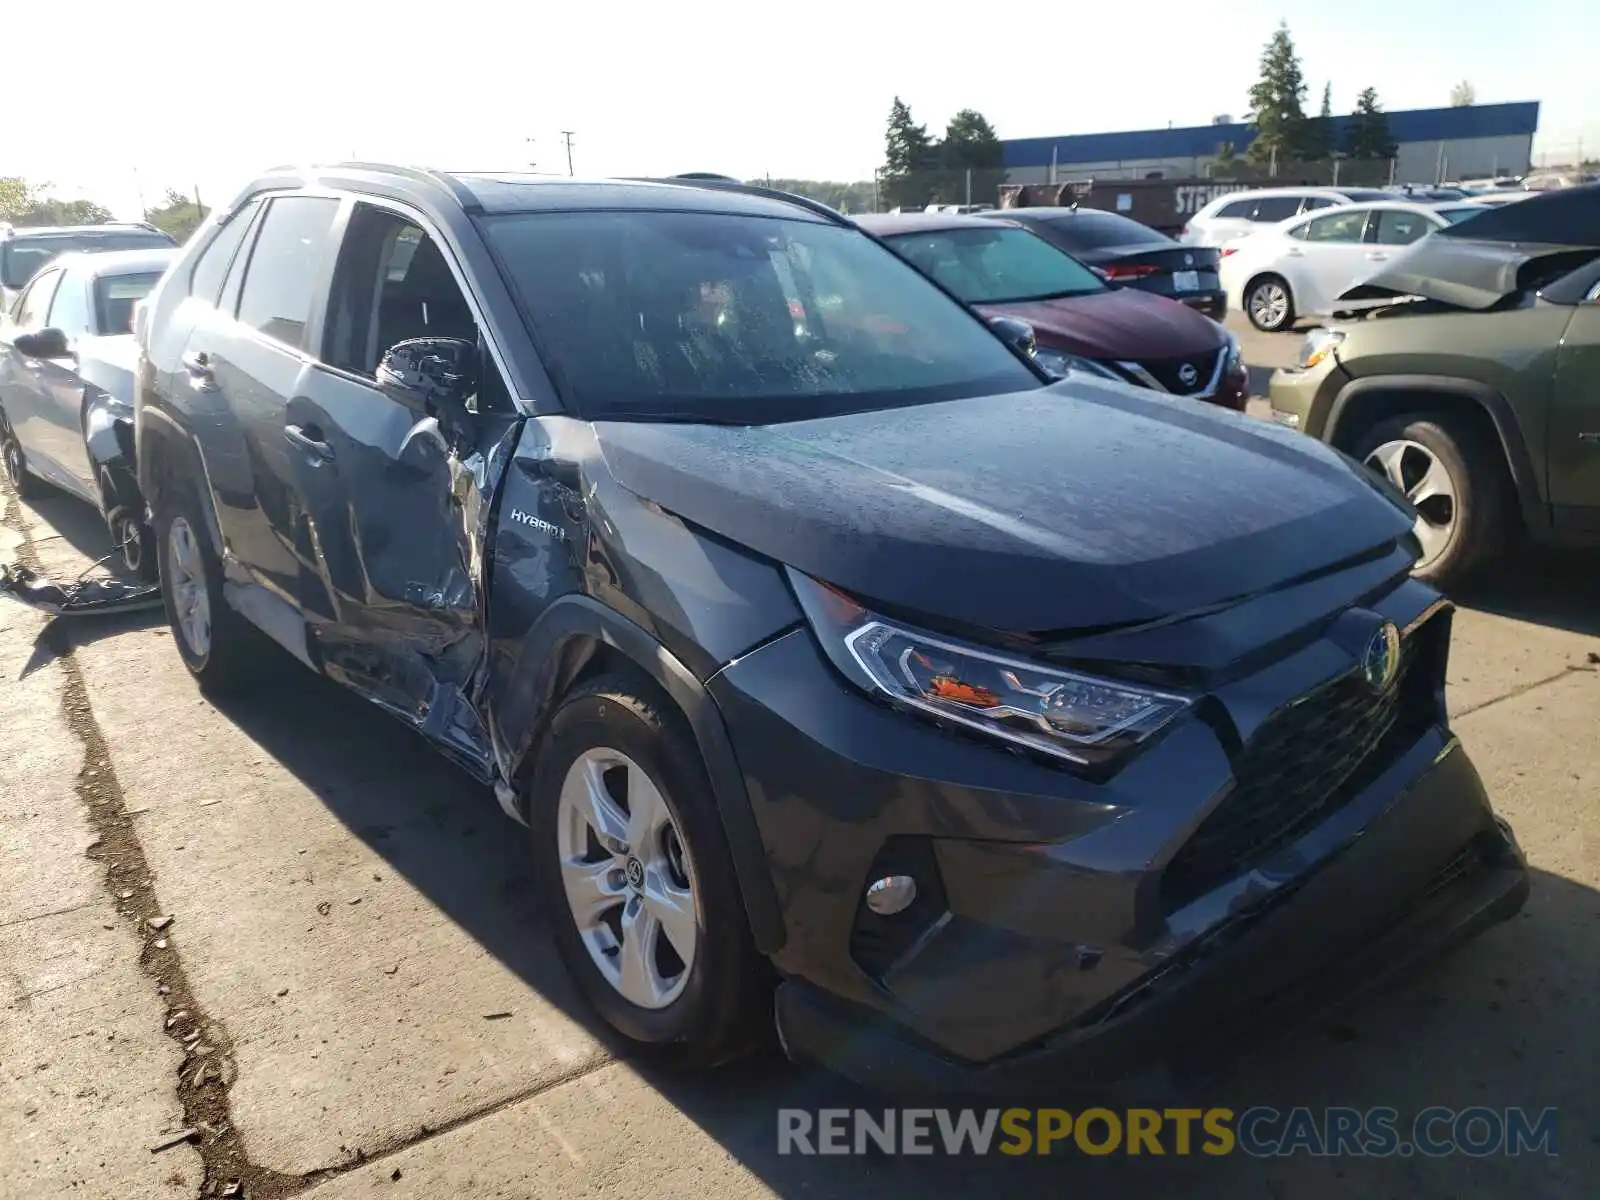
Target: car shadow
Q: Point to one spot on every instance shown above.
(1502, 995)
(1559, 589)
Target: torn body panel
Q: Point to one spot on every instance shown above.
(392, 513)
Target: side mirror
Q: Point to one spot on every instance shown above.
(431, 374)
(1016, 334)
(42, 343)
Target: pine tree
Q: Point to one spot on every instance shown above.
(1277, 102)
(908, 153)
(971, 144)
(1319, 134)
(1369, 130)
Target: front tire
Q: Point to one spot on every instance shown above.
(219, 647)
(637, 877)
(1269, 304)
(14, 463)
(1456, 478)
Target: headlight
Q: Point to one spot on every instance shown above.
(1060, 365)
(1235, 361)
(1080, 719)
(1318, 345)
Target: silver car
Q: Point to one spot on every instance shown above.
(67, 364)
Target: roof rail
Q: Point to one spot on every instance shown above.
(724, 183)
(416, 174)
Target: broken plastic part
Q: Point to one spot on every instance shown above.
(100, 597)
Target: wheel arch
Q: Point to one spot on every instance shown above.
(167, 455)
(577, 638)
(1362, 403)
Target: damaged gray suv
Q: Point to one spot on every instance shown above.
(847, 671)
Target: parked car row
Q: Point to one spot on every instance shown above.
(859, 664)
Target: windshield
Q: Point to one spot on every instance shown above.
(22, 256)
(115, 296)
(716, 317)
(996, 266)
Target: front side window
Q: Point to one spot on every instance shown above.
(282, 274)
(211, 268)
(995, 266)
(1335, 227)
(392, 284)
(115, 297)
(1237, 210)
(712, 316)
(34, 303)
(1312, 203)
(1396, 228)
(69, 310)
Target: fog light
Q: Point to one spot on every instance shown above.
(891, 894)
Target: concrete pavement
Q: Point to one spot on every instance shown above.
(353, 940)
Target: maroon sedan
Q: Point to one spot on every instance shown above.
(1080, 323)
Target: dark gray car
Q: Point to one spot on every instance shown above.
(845, 670)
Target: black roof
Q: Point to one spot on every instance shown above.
(511, 192)
(889, 224)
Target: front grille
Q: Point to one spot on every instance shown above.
(1168, 372)
(1305, 762)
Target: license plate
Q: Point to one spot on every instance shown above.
(1186, 281)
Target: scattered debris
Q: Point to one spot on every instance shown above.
(233, 1188)
(394, 970)
(496, 1016)
(84, 597)
(1594, 658)
(324, 908)
(125, 894)
(283, 991)
(160, 943)
(176, 1017)
(353, 900)
(395, 1175)
(176, 1139)
(109, 925)
(209, 803)
(160, 923)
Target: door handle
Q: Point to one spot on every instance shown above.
(201, 377)
(310, 440)
(1375, 256)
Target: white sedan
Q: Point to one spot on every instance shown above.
(1299, 267)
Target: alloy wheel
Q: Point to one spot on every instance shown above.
(628, 877)
(11, 457)
(1269, 304)
(125, 537)
(190, 597)
(1417, 472)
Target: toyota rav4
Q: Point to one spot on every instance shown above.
(844, 668)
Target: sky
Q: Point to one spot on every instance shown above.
(179, 93)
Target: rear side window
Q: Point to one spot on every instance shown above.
(212, 266)
(115, 296)
(1277, 208)
(282, 275)
(1312, 203)
(1238, 210)
(1402, 228)
(1101, 230)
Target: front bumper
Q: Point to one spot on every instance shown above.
(1053, 936)
(1257, 977)
(1303, 399)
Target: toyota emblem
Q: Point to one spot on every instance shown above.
(1187, 375)
(1380, 662)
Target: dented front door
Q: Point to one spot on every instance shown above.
(389, 540)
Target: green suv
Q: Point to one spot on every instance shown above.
(1476, 389)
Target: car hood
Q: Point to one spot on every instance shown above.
(1565, 216)
(1078, 506)
(1466, 273)
(1120, 323)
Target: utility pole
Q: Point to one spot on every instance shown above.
(198, 207)
(139, 188)
(566, 135)
(531, 164)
